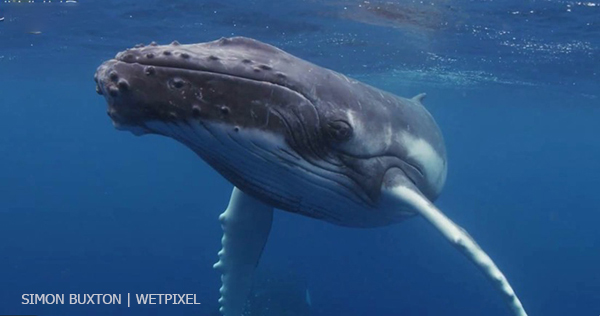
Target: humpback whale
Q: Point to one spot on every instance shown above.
(291, 135)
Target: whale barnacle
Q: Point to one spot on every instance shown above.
(177, 83)
(113, 76)
(123, 85)
(127, 57)
(196, 111)
(113, 91)
(149, 70)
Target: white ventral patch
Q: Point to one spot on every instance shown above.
(422, 152)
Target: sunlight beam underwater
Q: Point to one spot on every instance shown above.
(290, 135)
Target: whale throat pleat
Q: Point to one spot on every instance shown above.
(263, 165)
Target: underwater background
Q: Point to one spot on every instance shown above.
(514, 86)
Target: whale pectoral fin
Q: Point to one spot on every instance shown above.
(419, 97)
(246, 225)
(458, 237)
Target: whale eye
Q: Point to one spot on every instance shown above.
(339, 130)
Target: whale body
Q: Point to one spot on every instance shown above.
(291, 135)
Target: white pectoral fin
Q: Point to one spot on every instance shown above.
(246, 225)
(462, 241)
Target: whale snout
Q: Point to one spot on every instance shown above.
(137, 93)
(116, 82)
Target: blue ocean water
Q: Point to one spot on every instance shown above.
(514, 86)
